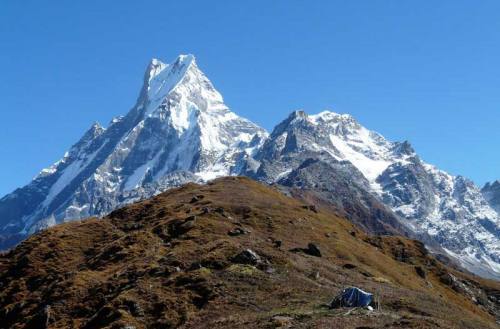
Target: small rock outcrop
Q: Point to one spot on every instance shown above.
(312, 249)
(238, 231)
(248, 257)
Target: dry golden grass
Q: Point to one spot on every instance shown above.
(150, 265)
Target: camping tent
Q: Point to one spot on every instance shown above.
(352, 297)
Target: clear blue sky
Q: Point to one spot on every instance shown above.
(423, 71)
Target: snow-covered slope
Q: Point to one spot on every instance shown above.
(449, 210)
(180, 130)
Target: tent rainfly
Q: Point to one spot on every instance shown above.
(352, 297)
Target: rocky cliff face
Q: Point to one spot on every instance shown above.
(491, 192)
(180, 130)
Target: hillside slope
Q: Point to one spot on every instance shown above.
(232, 253)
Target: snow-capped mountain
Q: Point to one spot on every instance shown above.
(438, 207)
(180, 130)
(491, 192)
(299, 156)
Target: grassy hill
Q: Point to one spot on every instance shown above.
(233, 253)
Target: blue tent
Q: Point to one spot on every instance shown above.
(352, 297)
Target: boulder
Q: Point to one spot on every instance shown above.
(313, 250)
(420, 271)
(196, 198)
(248, 257)
(238, 231)
(221, 211)
(311, 208)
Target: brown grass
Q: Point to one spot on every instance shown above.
(147, 267)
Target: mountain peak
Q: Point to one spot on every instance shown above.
(96, 126)
(332, 117)
(300, 114)
(155, 62)
(95, 130)
(403, 148)
(344, 123)
(182, 63)
(186, 58)
(156, 66)
(295, 116)
(161, 79)
(491, 185)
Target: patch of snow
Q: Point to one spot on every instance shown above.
(69, 173)
(164, 80)
(370, 168)
(283, 174)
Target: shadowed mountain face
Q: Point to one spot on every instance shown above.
(491, 192)
(232, 253)
(335, 185)
(181, 131)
